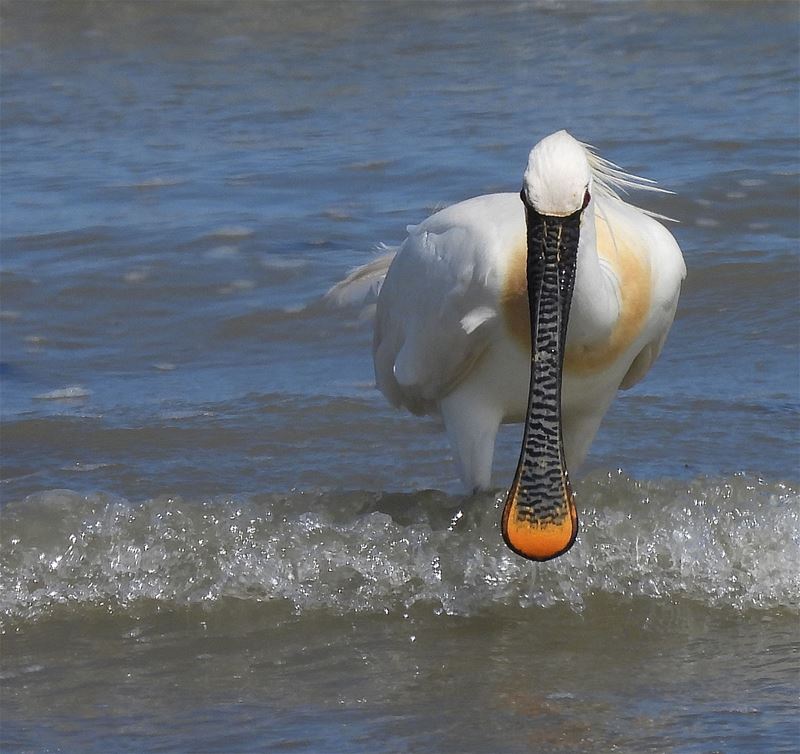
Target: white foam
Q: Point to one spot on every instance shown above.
(727, 544)
(65, 393)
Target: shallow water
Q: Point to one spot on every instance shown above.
(215, 533)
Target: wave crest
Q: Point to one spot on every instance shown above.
(733, 542)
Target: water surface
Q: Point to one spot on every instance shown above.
(216, 535)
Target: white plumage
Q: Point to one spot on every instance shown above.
(452, 328)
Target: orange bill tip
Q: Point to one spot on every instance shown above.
(539, 540)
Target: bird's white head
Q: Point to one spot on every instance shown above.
(558, 178)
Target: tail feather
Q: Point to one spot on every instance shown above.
(362, 285)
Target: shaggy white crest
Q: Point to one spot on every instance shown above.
(608, 179)
(561, 169)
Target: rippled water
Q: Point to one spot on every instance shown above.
(216, 536)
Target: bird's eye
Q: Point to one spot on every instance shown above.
(586, 199)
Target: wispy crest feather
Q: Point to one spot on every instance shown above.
(610, 180)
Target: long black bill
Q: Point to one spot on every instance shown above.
(540, 520)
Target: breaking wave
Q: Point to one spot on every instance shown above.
(732, 542)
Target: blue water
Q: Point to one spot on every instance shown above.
(217, 536)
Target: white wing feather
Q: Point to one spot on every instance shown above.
(437, 311)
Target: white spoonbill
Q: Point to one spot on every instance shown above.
(595, 280)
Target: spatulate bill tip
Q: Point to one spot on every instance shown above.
(539, 540)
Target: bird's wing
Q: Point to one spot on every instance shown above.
(643, 361)
(655, 246)
(438, 307)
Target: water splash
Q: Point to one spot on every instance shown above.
(732, 542)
